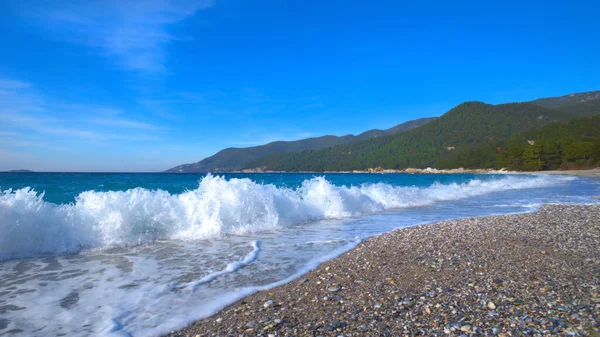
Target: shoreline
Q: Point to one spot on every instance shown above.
(587, 173)
(579, 173)
(536, 273)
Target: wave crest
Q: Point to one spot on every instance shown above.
(32, 226)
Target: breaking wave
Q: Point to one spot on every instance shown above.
(31, 226)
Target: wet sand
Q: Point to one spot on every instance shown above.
(533, 274)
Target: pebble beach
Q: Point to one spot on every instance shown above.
(531, 274)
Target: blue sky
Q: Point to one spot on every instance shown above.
(146, 85)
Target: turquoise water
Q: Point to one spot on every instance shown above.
(64, 187)
(142, 254)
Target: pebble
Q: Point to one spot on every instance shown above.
(468, 277)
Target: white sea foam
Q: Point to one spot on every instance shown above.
(32, 226)
(230, 268)
(149, 290)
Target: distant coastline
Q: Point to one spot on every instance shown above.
(428, 170)
(591, 172)
(587, 172)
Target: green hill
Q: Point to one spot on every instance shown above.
(573, 144)
(579, 105)
(465, 127)
(232, 159)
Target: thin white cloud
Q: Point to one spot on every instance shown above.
(10, 140)
(43, 125)
(87, 109)
(53, 127)
(8, 84)
(17, 143)
(105, 116)
(133, 32)
(72, 129)
(123, 123)
(23, 110)
(17, 118)
(18, 96)
(8, 134)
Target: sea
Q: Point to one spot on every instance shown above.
(94, 254)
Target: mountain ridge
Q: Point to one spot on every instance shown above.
(584, 104)
(463, 128)
(492, 123)
(231, 159)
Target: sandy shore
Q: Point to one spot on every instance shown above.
(533, 274)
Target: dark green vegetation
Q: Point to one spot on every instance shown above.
(471, 135)
(573, 144)
(232, 159)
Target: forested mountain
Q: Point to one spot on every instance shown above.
(579, 105)
(453, 140)
(573, 144)
(232, 159)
